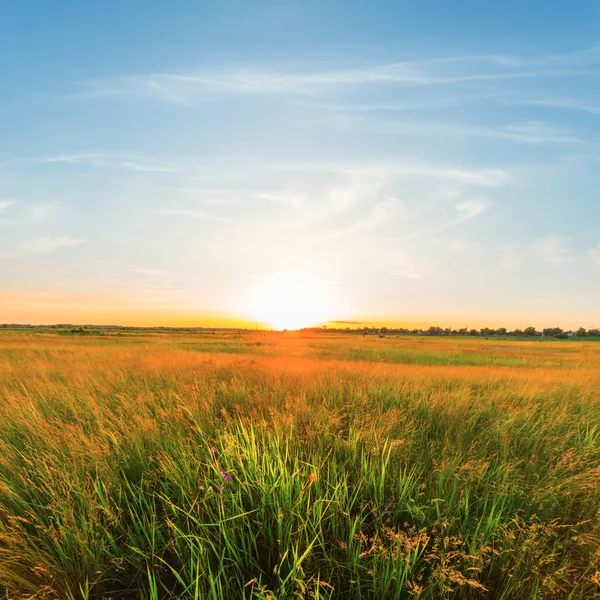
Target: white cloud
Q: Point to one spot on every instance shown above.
(215, 170)
(46, 244)
(128, 269)
(21, 218)
(595, 255)
(380, 213)
(483, 177)
(186, 87)
(553, 250)
(575, 104)
(337, 199)
(531, 132)
(472, 208)
(407, 274)
(193, 213)
(538, 132)
(6, 203)
(133, 163)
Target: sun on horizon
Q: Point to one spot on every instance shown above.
(290, 303)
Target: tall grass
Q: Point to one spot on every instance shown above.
(349, 478)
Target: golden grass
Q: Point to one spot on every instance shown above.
(361, 467)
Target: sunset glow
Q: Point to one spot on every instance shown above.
(290, 304)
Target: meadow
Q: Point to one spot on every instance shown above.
(275, 466)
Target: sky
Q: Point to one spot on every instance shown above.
(282, 163)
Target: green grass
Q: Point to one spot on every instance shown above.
(225, 347)
(411, 356)
(430, 480)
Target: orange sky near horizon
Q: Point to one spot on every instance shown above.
(48, 309)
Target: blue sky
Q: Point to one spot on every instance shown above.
(216, 162)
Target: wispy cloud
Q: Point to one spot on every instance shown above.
(471, 208)
(551, 249)
(337, 200)
(346, 322)
(133, 163)
(232, 196)
(155, 284)
(465, 211)
(531, 132)
(5, 203)
(538, 132)
(369, 195)
(187, 87)
(276, 170)
(484, 177)
(135, 269)
(45, 244)
(191, 212)
(407, 274)
(562, 103)
(30, 228)
(594, 254)
(380, 213)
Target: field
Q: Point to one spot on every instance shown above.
(275, 466)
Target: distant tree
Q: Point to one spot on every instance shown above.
(594, 332)
(518, 333)
(434, 330)
(581, 332)
(502, 331)
(473, 332)
(529, 331)
(552, 331)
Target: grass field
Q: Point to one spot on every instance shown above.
(275, 466)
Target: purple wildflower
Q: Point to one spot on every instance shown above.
(226, 477)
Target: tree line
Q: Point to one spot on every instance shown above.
(435, 330)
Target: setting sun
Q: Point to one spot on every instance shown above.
(291, 304)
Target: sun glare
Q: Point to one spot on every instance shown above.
(291, 304)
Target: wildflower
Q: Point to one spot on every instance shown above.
(311, 479)
(226, 477)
